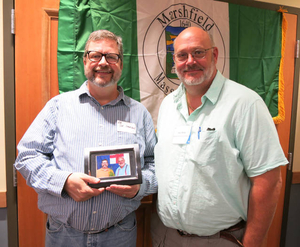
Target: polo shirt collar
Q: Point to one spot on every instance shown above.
(212, 93)
(215, 88)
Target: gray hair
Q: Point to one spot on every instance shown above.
(104, 34)
(211, 37)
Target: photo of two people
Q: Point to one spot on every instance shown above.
(113, 165)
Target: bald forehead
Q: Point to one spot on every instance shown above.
(193, 35)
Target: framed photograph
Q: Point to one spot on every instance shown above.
(113, 164)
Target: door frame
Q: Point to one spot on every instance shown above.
(289, 175)
(10, 130)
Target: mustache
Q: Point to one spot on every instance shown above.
(105, 69)
(193, 67)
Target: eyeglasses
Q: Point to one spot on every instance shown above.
(95, 56)
(197, 54)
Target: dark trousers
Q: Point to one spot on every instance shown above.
(163, 236)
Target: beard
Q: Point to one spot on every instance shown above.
(208, 73)
(99, 82)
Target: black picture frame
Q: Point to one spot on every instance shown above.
(130, 174)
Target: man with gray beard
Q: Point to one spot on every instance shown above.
(51, 154)
(217, 158)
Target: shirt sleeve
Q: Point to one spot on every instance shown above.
(258, 141)
(35, 154)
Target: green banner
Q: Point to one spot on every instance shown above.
(77, 19)
(255, 51)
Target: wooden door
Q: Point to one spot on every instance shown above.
(35, 74)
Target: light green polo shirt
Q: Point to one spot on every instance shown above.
(204, 160)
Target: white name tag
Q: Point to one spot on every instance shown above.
(126, 127)
(182, 135)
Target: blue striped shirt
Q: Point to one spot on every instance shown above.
(53, 147)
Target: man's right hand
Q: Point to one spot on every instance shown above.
(77, 187)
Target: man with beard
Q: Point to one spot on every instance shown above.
(217, 158)
(123, 169)
(51, 154)
(104, 171)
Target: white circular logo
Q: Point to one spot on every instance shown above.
(157, 49)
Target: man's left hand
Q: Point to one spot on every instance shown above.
(124, 190)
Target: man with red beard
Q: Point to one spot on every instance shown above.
(217, 158)
(51, 154)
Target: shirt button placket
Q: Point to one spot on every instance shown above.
(101, 130)
(94, 220)
(177, 180)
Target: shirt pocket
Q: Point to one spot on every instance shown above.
(203, 150)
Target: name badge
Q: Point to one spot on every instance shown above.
(182, 135)
(126, 127)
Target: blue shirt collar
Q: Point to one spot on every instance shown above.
(83, 90)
